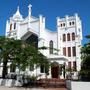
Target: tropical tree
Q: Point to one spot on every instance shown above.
(85, 65)
(20, 54)
(9, 48)
(5, 49)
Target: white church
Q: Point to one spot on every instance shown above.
(63, 44)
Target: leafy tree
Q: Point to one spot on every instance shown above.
(85, 65)
(20, 54)
(5, 49)
(9, 48)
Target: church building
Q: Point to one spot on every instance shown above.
(63, 44)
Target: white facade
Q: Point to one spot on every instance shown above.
(22, 28)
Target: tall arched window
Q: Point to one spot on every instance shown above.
(42, 68)
(73, 36)
(51, 47)
(69, 51)
(14, 25)
(64, 37)
(64, 51)
(69, 65)
(74, 51)
(74, 65)
(10, 27)
(68, 37)
(70, 23)
(12, 68)
(73, 23)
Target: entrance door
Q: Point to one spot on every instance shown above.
(55, 70)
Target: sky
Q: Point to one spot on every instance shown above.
(49, 9)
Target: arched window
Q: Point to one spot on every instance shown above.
(69, 65)
(14, 25)
(74, 65)
(73, 23)
(69, 51)
(70, 23)
(68, 37)
(42, 68)
(10, 27)
(12, 68)
(51, 47)
(64, 37)
(74, 51)
(63, 24)
(64, 51)
(73, 36)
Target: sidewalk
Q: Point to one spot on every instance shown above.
(15, 88)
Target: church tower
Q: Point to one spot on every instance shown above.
(13, 25)
(69, 39)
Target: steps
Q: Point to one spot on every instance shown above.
(57, 83)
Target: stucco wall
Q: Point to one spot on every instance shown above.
(78, 85)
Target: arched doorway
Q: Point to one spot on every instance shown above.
(55, 70)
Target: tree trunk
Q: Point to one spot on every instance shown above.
(4, 72)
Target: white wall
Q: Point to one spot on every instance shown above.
(78, 85)
(10, 83)
(77, 29)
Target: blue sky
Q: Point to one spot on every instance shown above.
(48, 8)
